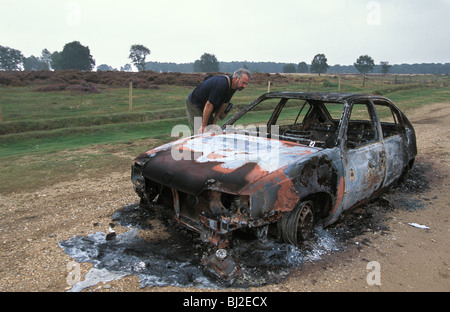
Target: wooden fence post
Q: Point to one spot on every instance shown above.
(130, 97)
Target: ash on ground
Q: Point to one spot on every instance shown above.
(177, 260)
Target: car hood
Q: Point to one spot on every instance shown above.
(227, 162)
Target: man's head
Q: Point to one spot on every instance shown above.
(241, 79)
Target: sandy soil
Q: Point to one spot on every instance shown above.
(409, 258)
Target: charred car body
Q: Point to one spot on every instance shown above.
(314, 156)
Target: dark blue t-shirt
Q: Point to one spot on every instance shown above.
(216, 90)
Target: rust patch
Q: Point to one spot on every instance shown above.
(287, 195)
(340, 195)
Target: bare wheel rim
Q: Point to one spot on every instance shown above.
(297, 225)
(305, 222)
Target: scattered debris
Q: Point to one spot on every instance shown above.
(95, 276)
(110, 236)
(419, 226)
(222, 265)
(183, 260)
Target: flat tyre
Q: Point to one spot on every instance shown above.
(297, 226)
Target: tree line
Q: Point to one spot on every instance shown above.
(76, 56)
(73, 56)
(302, 67)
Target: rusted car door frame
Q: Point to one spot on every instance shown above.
(364, 165)
(395, 145)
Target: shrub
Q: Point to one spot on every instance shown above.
(83, 87)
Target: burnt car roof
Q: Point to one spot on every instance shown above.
(319, 96)
(336, 97)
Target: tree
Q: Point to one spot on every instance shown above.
(10, 59)
(105, 67)
(206, 64)
(319, 64)
(46, 58)
(138, 53)
(55, 60)
(38, 63)
(302, 68)
(34, 63)
(126, 68)
(73, 56)
(385, 67)
(289, 69)
(364, 64)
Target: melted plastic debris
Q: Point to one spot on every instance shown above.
(156, 264)
(95, 276)
(177, 261)
(419, 226)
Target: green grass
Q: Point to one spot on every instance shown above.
(22, 103)
(41, 142)
(38, 169)
(55, 136)
(411, 99)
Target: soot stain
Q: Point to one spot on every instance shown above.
(177, 260)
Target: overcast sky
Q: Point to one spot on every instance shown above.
(180, 31)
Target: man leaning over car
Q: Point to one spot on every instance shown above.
(210, 99)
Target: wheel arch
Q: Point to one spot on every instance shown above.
(322, 203)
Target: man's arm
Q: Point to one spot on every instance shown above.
(219, 113)
(207, 111)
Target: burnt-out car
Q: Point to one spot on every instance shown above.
(285, 161)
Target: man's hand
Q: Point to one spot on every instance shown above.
(201, 129)
(219, 114)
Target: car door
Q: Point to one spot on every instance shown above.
(364, 156)
(394, 140)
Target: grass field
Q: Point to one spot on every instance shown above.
(46, 137)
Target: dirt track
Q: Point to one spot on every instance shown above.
(410, 258)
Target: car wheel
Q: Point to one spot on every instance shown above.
(297, 226)
(406, 171)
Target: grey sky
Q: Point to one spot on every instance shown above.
(397, 31)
